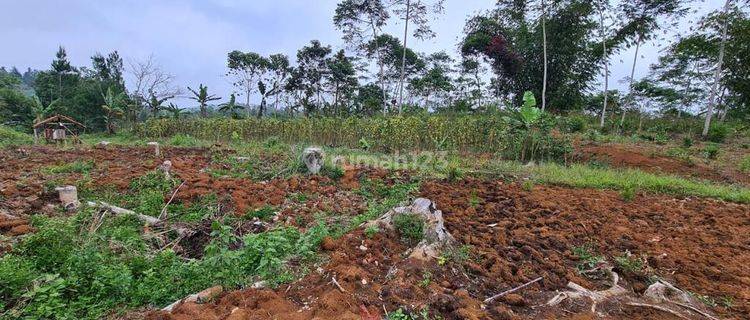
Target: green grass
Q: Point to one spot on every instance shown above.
(10, 137)
(83, 167)
(627, 180)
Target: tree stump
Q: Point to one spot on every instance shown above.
(313, 158)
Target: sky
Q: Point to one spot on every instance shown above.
(191, 38)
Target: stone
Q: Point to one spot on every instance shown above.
(68, 197)
(157, 152)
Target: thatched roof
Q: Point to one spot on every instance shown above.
(58, 118)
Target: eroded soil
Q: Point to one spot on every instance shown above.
(507, 236)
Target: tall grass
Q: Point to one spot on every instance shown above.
(485, 133)
(9, 136)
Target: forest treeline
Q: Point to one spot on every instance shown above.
(558, 50)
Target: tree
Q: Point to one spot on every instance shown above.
(112, 108)
(342, 79)
(203, 98)
(508, 38)
(435, 78)
(278, 66)
(173, 109)
(389, 52)
(42, 111)
(417, 12)
(717, 74)
(644, 16)
(155, 104)
(231, 107)
(150, 84)
(361, 22)
(247, 69)
(312, 61)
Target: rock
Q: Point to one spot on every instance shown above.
(313, 158)
(165, 167)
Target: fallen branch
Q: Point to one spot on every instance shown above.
(163, 214)
(148, 220)
(197, 297)
(333, 279)
(488, 300)
(660, 308)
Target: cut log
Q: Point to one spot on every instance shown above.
(202, 296)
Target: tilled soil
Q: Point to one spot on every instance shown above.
(516, 236)
(512, 235)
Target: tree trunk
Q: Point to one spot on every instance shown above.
(544, 45)
(380, 64)
(717, 74)
(261, 107)
(632, 75)
(403, 60)
(606, 69)
(247, 101)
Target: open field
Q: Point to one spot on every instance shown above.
(248, 218)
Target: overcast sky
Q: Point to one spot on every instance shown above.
(191, 39)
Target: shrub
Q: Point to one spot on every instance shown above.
(687, 142)
(183, 140)
(718, 132)
(711, 151)
(575, 123)
(332, 171)
(410, 227)
(745, 164)
(9, 136)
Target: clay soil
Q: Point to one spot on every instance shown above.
(650, 159)
(506, 236)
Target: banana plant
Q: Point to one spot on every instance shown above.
(40, 110)
(174, 110)
(231, 107)
(203, 98)
(113, 103)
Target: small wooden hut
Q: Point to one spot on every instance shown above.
(58, 128)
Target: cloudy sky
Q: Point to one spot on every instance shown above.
(191, 38)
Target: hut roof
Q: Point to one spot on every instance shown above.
(58, 118)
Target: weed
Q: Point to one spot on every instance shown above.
(82, 167)
(718, 132)
(706, 300)
(629, 263)
(687, 142)
(426, 279)
(527, 185)
(183, 140)
(263, 213)
(410, 227)
(331, 171)
(711, 151)
(745, 164)
(628, 193)
(371, 231)
(727, 301)
(474, 200)
(453, 172)
(364, 144)
(588, 260)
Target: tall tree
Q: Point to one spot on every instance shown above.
(278, 66)
(417, 12)
(342, 79)
(645, 17)
(150, 83)
(203, 98)
(247, 69)
(361, 22)
(312, 61)
(717, 74)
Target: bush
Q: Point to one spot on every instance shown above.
(687, 142)
(9, 136)
(718, 132)
(745, 164)
(711, 151)
(575, 123)
(410, 227)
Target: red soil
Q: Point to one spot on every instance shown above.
(631, 156)
(697, 244)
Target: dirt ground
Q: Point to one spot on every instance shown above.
(506, 236)
(652, 159)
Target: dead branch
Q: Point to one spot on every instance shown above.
(333, 280)
(197, 297)
(488, 300)
(657, 307)
(148, 220)
(163, 214)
